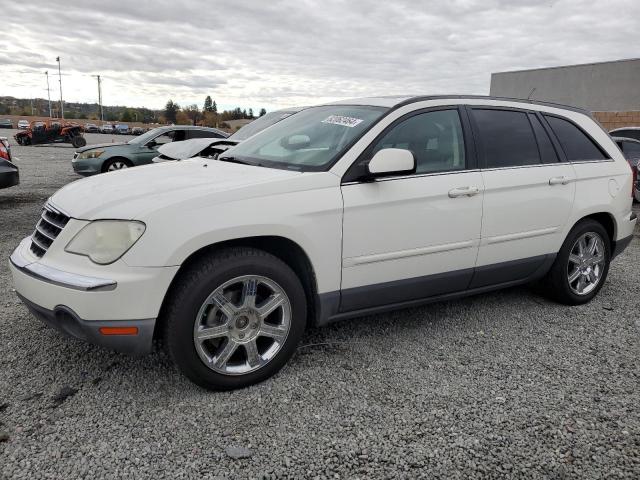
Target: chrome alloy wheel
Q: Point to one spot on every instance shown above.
(586, 263)
(117, 165)
(242, 325)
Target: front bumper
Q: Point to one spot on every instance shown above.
(90, 306)
(65, 320)
(87, 166)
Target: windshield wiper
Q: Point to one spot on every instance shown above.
(234, 160)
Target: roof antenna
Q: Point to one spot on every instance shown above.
(531, 93)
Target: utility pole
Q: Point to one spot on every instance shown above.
(60, 80)
(99, 97)
(48, 92)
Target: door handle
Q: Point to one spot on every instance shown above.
(559, 180)
(464, 192)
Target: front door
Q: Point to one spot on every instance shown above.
(414, 236)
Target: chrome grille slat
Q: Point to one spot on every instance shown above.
(42, 246)
(51, 223)
(42, 231)
(54, 225)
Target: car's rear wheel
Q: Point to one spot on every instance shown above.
(116, 164)
(78, 141)
(582, 265)
(234, 318)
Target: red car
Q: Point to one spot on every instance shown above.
(631, 150)
(9, 175)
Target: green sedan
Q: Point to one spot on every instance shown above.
(107, 157)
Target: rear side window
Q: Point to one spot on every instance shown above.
(506, 138)
(575, 143)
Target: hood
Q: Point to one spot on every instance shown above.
(131, 193)
(190, 148)
(100, 145)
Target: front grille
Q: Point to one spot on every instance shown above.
(47, 229)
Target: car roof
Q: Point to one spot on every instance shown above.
(188, 127)
(625, 139)
(623, 128)
(396, 101)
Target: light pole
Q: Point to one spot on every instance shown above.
(60, 80)
(48, 93)
(100, 98)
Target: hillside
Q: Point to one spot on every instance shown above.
(40, 107)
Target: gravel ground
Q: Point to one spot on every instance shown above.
(503, 385)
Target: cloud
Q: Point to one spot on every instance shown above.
(283, 53)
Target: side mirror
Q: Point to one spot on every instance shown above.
(392, 161)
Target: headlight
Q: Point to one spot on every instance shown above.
(105, 241)
(90, 154)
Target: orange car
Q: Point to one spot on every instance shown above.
(51, 131)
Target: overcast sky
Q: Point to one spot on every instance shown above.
(282, 53)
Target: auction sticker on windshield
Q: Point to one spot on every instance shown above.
(344, 121)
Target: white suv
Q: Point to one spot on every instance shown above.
(338, 211)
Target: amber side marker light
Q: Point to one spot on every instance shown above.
(119, 330)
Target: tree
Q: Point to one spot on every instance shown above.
(251, 113)
(214, 107)
(193, 112)
(263, 112)
(244, 113)
(182, 118)
(126, 116)
(170, 111)
(208, 104)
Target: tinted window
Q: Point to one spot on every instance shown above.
(506, 138)
(203, 134)
(574, 142)
(434, 138)
(547, 152)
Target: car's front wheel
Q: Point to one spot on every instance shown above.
(116, 164)
(234, 318)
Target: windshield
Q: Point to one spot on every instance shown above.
(145, 137)
(260, 124)
(310, 140)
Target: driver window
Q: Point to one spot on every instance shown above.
(434, 138)
(164, 138)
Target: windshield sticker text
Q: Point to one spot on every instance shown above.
(344, 121)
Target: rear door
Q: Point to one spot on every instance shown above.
(528, 194)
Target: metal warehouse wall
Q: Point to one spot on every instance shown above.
(606, 87)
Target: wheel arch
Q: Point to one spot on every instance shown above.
(103, 168)
(607, 220)
(287, 250)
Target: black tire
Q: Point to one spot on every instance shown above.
(78, 141)
(197, 283)
(556, 283)
(115, 161)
